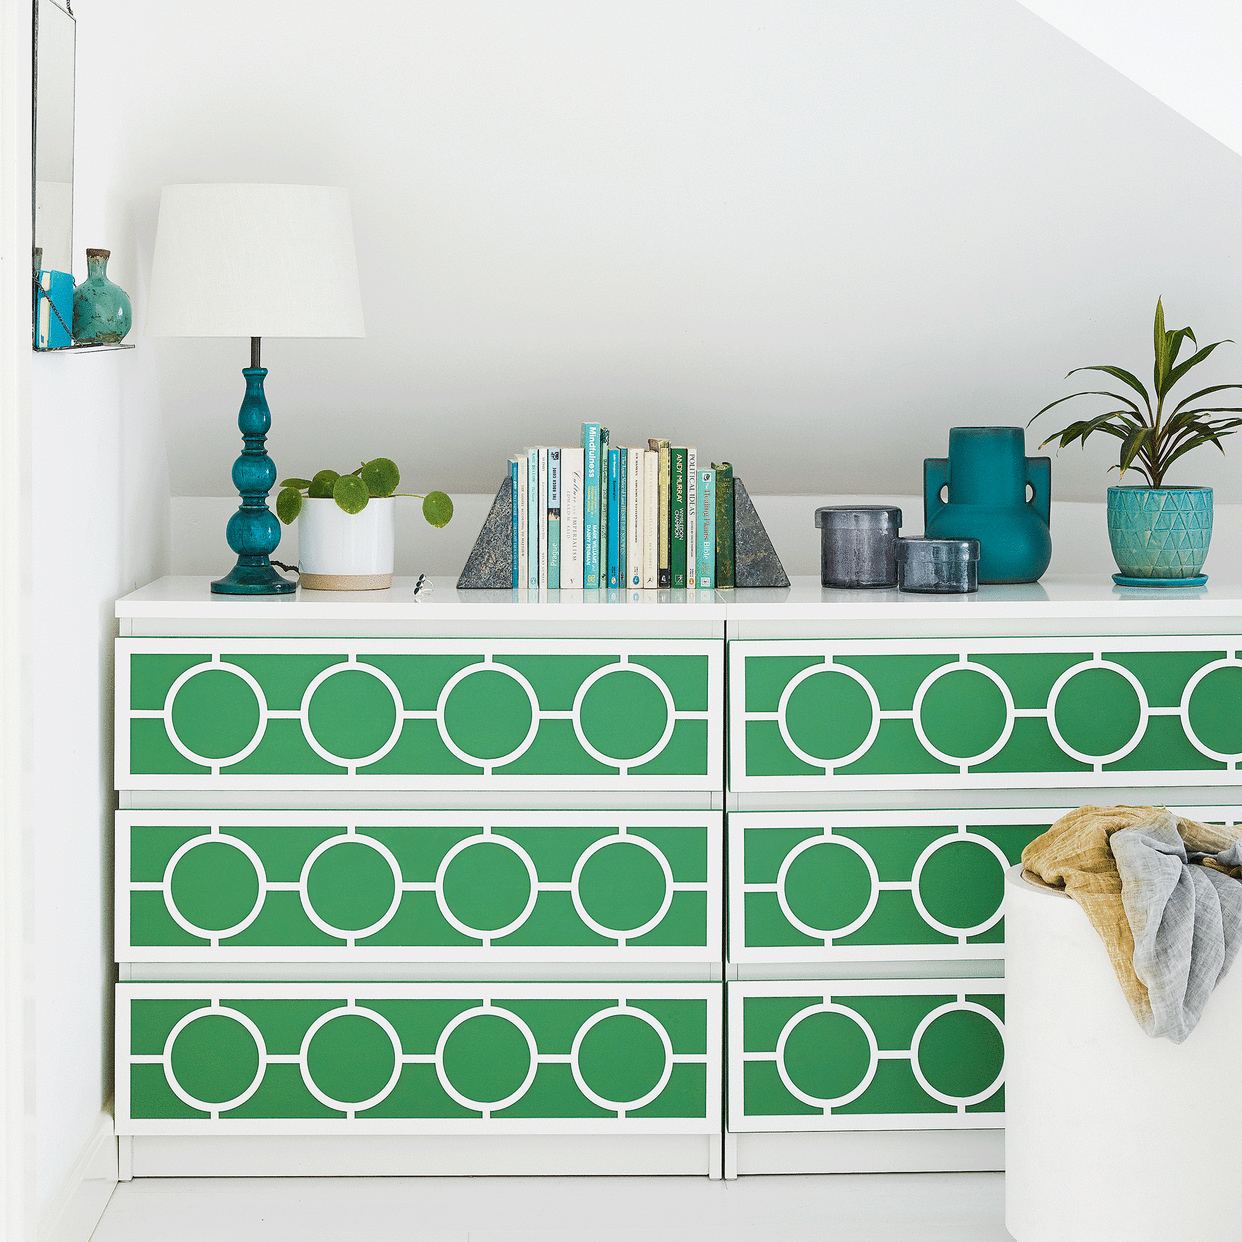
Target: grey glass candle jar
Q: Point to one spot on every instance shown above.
(856, 545)
(938, 566)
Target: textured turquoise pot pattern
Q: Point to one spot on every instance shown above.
(101, 310)
(1160, 532)
(987, 473)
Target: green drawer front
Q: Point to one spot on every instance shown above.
(406, 714)
(912, 1054)
(411, 1058)
(821, 886)
(365, 886)
(984, 713)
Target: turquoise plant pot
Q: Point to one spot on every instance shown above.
(101, 310)
(1160, 532)
(986, 475)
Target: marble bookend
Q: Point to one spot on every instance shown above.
(755, 563)
(490, 563)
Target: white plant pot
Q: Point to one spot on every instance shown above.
(339, 551)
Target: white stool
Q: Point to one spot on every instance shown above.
(1108, 1133)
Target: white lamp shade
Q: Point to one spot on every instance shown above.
(254, 260)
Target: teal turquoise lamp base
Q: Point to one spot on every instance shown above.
(253, 531)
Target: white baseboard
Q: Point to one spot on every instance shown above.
(877, 1151)
(440, 1155)
(75, 1211)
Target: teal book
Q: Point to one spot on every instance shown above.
(590, 506)
(614, 516)
(623, 515)
(677, 508)
(603, 506)
(515, 495)
(706, 551)
(554, 519)
(532, 517)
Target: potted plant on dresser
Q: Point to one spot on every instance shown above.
(1159, 534)
(347, 524)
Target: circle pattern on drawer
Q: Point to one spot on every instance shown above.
(828, 713)
(215, 713)
(1212, 708)
(486, 886)
(214, 1059)
(351, 714)
(350, 1058)
(1097, 712)
(623, 714)
(963, 713)
(488, 714)
(958, 1053)
(828, 886)
(826, 1055)
(959, 884)
(486, 1058)
(622, 1058)
(350, 886)
(213, 886)
(622, 886)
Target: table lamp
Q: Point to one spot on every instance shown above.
(256, 261)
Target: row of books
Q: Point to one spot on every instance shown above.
(599, 516)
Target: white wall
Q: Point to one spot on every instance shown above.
(806, 236)
(101, 527)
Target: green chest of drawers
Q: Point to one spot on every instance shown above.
(494, 870)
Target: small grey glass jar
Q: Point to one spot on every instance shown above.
(856, 545)
(938, 566)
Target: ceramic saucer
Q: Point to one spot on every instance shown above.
(1122, 580)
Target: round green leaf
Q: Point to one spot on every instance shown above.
(381, 476)
(437, 508)
(295, 482)
(322, 484)
(350, 493)
(288, 504)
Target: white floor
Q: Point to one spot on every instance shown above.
(904, 1207)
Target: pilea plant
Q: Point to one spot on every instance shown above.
(378, 477)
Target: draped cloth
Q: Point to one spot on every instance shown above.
(1164, 894)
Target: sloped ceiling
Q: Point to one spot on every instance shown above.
(808, 237)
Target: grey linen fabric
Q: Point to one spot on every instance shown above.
(1186, 919)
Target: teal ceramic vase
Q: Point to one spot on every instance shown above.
(985, 480)
(102, 314)
(1160, 532)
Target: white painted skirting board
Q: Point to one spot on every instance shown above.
(75, 1211)
(575, 1155)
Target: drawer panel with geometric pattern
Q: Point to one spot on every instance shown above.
(418, 1058)
(601, 887)
(984, 713)
(372, 713)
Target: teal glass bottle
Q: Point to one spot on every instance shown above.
(102, 314)
(986, 476)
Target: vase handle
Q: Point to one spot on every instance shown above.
(1039, 476)
(935, 476)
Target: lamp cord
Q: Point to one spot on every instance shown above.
(42, 292)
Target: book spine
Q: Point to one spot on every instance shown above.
(651, 518)
(724, 524)
(677, 517)
(634, 518)
(543, 518)
(532, 518)
(515, 496)
(571, 518)
(623, 516)
(614, 517)
(707, 530)
(603, 506)
(554, 518)
(665, 573)
(692, 515)
(523, 473)
(590, 505)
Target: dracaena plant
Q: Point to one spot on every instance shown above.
(1153, 437)
(352, 491)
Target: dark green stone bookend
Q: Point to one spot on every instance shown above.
(755, 563)
(490, 563)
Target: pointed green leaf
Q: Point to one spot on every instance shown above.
(350, 493)
(1131, 445)
(288, 504)
(1161, 342)
(1193, 361)
(381, 476)
(437, 508)
(1203, 392)
(1124, 376)
(322, 484)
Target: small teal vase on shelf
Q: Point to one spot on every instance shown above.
(1160, 535)
(102, 314)
(986, 476)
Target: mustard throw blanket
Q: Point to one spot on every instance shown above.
(1163, 893)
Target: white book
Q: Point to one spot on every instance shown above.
(532, 518)
(573, 487)
(651, 518)
(692, 513)
(634, 517)
(543, 517)
(523, 522)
